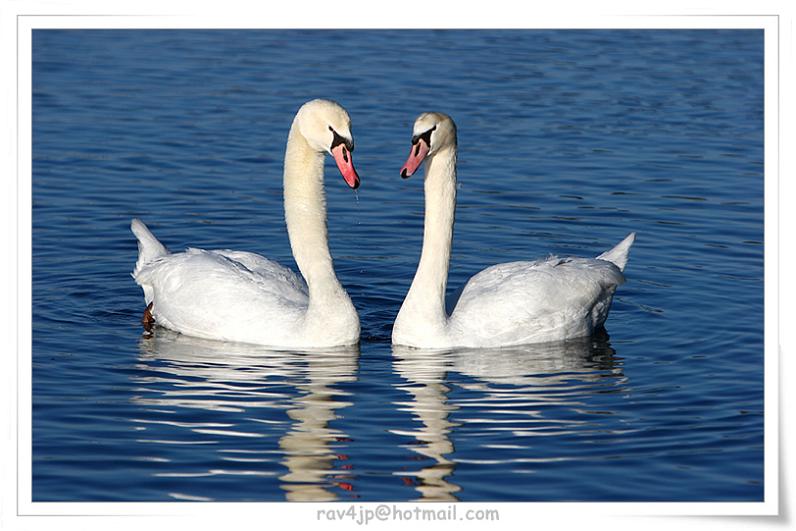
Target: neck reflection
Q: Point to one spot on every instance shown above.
(256, 395)
(525, 391)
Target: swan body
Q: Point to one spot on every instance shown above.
(244, 297)
(551, 299)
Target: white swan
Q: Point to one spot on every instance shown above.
(515, 303)
(243, 297)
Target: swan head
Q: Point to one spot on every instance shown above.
(433, 132)
(326, 127)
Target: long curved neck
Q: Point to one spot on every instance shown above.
(305, 214)
(426, 298)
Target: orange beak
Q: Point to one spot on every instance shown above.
(416, 155)
(345, 163)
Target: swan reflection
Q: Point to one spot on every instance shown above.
(517, 390)
(255, 394)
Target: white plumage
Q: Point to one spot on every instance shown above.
(515, 303)
(244, 297)
(531, 302)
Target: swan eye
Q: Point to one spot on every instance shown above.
(426, 137)
(338, 139)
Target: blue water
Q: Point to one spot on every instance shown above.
(568, 141)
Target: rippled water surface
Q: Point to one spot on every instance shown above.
(568, 141)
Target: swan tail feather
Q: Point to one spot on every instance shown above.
(149, 247)
(619, 254)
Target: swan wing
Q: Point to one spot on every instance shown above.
(229, 295)
(267, 269)
(542, 300)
